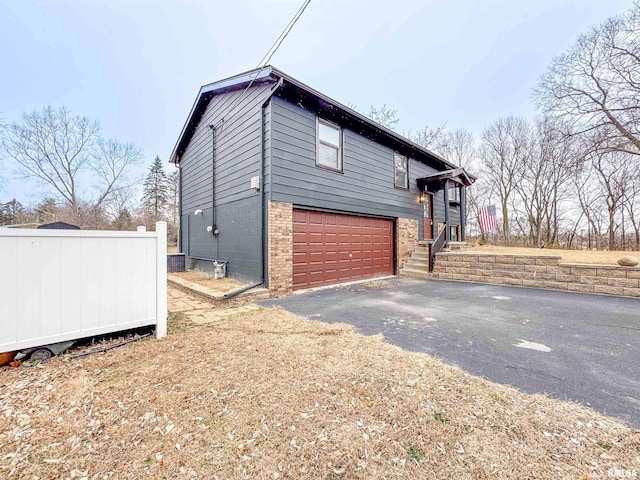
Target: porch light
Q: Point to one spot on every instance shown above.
(421, 197)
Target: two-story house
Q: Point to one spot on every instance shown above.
(295, 190)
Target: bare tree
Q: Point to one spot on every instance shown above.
(506, 147)
(459, 147)
(613, 174)
(173, 195)
(431, 138)
(632, 206)
(546, 171)
(590, 200)
(596, 84)
(66, 153)
(384, 115)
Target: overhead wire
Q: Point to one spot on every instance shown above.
(267, 57)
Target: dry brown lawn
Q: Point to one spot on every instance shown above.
(597, 257)
(274, 396)
(207, 280)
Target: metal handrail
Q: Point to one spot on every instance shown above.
(436, 246)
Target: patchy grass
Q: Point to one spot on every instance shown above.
(271, 395)
(221, 285)
(597, 257)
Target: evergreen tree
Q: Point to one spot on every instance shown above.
(124, 220)
(155, 191)
(9, 212)
(46, 210)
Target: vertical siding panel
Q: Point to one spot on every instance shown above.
(72, 290)
(107, 297)
(149, 291)
(8, 288)
(53, 275)
(122, 291)
(28, 293)
(89, 273)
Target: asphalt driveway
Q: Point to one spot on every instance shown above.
(571, 346)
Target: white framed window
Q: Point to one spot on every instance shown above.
(329, 147)
(401, 170)
(454, 194)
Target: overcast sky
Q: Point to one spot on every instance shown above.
(136, 66)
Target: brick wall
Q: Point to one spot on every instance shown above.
(538, 271)
(280, 248)
(406, 239)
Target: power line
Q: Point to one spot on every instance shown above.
(270, 53)
(283, 35)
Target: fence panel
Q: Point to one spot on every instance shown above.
(59, 285)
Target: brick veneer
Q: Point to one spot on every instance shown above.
(280, 249)
(406, 239)
(538, 271)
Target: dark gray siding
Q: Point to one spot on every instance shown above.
(366, 185)
(237, 117)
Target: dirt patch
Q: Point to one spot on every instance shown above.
(271, 395)
(596, 257)
(206, 280)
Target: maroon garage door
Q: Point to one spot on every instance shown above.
(330, 248)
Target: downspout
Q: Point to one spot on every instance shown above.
(263, 203)
(180, 230)
(447, 233)
(463, 213)
(214, 206)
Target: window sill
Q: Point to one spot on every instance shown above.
(331, 169)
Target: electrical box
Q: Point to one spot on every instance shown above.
(255, 183)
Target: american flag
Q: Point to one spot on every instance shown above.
(487, 217)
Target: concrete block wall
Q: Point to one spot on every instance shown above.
(539, 272)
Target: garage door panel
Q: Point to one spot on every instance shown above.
(331, 248)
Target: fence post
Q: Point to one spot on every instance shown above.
(161, 278)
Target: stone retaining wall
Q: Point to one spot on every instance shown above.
(538, 271)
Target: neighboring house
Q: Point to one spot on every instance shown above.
(59, 226)
(294, 190)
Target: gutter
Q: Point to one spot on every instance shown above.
(263, 203)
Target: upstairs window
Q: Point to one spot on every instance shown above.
(401, 170)
(329, 145)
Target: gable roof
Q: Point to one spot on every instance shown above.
(457, 175)
(298, 91)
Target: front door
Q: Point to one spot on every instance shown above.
(428, 216)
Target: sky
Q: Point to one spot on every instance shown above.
(137, 65)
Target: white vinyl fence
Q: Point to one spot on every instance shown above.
(59, 285)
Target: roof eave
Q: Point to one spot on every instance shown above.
(231, 83)
(261, 74)
(362, 118)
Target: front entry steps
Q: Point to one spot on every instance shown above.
(418, 264)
